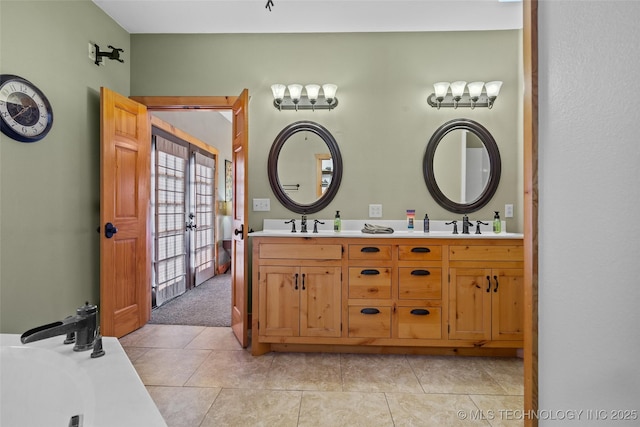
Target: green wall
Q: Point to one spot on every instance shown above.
(383, 121)
(49, 190)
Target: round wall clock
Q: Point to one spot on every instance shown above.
(25, 113)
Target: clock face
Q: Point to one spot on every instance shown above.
(25, 112)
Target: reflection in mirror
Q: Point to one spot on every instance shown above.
(305, 167)
(462, 166)
(297, 166)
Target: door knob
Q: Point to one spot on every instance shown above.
(109, 230)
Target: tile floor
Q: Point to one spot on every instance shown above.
(201, 377)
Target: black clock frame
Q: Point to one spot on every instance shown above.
(8, 130)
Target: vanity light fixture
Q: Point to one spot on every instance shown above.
(473, 98)
(312, 99)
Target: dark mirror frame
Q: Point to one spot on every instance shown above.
(494, 163)
(272, 167)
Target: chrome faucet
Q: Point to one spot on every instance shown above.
(465, 224)
(80, 329)
(303, 224)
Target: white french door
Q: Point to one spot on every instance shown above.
(183, 201)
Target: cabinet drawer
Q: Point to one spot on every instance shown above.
(420, 253)
(369, 322)
(300, 251)
(420, 282)
(486, 253)
(369, 282)
(382, 252)
(420, 322)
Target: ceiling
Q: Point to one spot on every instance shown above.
(311, 16)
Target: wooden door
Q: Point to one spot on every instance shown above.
(279, 298)
(470, 292)
(125, 263)
(240, 259)
(320, 297)
(507, 304)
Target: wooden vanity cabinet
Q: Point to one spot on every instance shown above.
(416, 295)
(486, 293)
(299, 290)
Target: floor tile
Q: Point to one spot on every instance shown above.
(169, 367)
(433, 410)
(161, 336)
(378, 373)
(337, 409)
(183, 406)
(501, 411)
(134, 353)
(305, 371)
(508, 372)
(215, 339)
(452, 374)
(244, 407)
(232, 369)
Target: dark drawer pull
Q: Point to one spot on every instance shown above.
(420, 273)
(369, 311)
(370, 249)
(369, 272)
(420, 250)
(420, 311)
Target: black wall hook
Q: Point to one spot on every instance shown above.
(114, 54)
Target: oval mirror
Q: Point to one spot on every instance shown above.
(462, 166)
(305, 167)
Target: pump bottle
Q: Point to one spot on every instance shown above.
(337, 223)
(497, 224)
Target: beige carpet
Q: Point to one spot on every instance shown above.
(206, 305)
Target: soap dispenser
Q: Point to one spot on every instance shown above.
(425, 223)
(337, 223)
(497, 224)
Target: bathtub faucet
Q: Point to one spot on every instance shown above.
(80, 329)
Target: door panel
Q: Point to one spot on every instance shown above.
(125, 297)
(239, 262)
(204, 249)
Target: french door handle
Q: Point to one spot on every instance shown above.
(239, 232)
(109, 230)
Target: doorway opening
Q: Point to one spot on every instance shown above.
(191, 218)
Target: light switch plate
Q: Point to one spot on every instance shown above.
(375, 211)
(261, 205)
(508, 211)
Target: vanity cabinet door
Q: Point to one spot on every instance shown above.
(486, 304)
(299, 301)
(279, 295)
(320, 301)
(507, 305)
(470, 304)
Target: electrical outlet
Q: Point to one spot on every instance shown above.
(508, 211)
(92, 52)
(261, 205)
(375, 211)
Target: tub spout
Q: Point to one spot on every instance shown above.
(83, 325)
